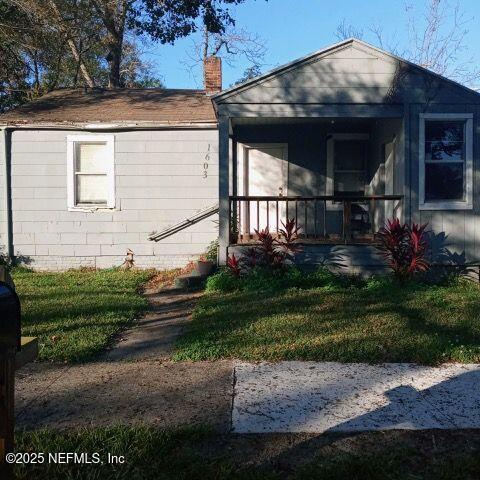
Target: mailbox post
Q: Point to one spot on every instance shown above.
(9, 345)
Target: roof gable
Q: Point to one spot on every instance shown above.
(351, 71)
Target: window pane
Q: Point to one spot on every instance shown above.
(91, 189)
(350, 154)
(444, 131)
(444, 181)
(438, 150)
(92, 158)
(349, 183)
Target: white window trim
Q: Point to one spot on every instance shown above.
(109, 140)
(329, 181)
(467, 204)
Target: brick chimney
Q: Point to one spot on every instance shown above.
(212, 75)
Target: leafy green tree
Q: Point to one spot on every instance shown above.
(163, 22)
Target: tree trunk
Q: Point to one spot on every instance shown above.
(71, 44)
(114, 59)
(78, 59)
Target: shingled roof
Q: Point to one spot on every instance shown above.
(79, 106)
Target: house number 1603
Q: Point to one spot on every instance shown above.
(205, 163)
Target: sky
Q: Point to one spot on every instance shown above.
(291, 29)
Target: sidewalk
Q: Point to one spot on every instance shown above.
(307, 397)
(321, 397)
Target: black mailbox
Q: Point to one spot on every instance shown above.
(9, 318)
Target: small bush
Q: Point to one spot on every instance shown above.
(404, 248)
(272, 253)
(5, 261)
(211, 254)
(222, 281)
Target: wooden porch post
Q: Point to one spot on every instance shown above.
(223, 188)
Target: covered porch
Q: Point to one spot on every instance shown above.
(340, 178)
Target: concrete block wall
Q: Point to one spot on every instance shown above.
(160, 179)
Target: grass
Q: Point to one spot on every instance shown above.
(76, 313)
(197, 453)
(376, 321)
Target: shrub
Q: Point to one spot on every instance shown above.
(404, 248)
(211, 253)
(270, 252)
(233, 265)
(222, 281)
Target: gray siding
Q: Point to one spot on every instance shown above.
(457, 231)
(350, 75)
(159, 182)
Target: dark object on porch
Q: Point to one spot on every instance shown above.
(360, 221)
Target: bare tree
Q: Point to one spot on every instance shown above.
(232, 45)
(436, 40)
(439, 43)
(345, 30)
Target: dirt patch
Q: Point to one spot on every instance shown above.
(160, 393)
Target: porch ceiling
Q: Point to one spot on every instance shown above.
(299, 121)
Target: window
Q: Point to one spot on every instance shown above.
(445, 161)
(91, 171)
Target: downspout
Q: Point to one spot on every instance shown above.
(7, 190)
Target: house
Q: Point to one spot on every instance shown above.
(88, 175)
(340, 140)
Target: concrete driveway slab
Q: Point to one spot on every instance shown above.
(318, 397)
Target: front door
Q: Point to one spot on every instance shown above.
(350, 167)
(265, 174)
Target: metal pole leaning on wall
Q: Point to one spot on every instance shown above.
(9, 345)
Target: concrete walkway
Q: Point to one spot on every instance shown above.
(153, 336)
(319, 397)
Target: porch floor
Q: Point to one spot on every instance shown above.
(367, 239)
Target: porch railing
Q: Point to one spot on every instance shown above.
(320, 219)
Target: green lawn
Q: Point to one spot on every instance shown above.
(197, 453)
(374, 321)
(76, 313)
